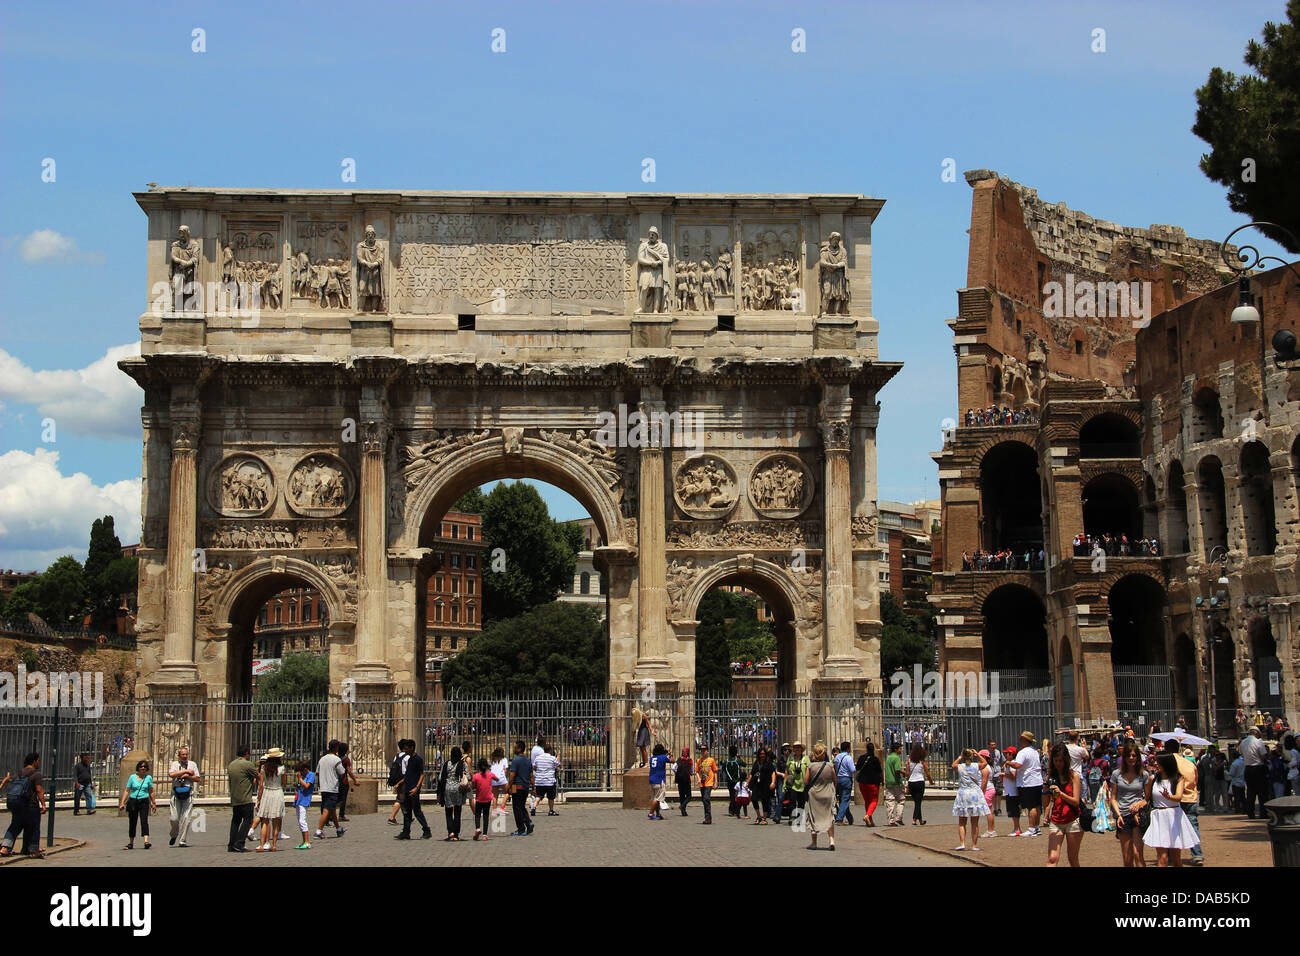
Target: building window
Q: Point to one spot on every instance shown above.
(455, 531)
(470, 561)
(585, 584)
(293, 613)
(437, 612)
(884, 577)
(469, 585)
(455, 585)
(469, 533)
(455, 614)
(469, 614)
(455, 560)
(306, 613)
(277, 613)
(437, 583)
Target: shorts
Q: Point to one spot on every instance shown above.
(657, 793)
(1074, 826)
(1031, 798)
(545, 791)
(989, 795)
(1013, 805)
(329, 801)
(1132, 826)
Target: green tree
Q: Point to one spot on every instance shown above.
(553, 645)
(1252, 123)
(105, 548)
(24, 600)
(905, 638)
(538, 558)
(121, 577)
(61, 594)
(471, 502)
(300, 676)
(729, 630)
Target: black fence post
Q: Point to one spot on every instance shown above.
(54, 776)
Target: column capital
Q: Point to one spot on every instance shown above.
(375, 434)
(835, 435)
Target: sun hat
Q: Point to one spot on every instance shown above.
(274, 753)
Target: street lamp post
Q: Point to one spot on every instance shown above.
(1246, 259)
(1217, 604)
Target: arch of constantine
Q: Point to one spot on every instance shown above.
(700, 372)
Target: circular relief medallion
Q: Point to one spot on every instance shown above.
(241, 486)
(780, 486)
(705, 487)
(320, 486)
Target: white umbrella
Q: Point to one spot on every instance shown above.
(1183, 737)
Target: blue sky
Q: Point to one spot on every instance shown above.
(115, 95)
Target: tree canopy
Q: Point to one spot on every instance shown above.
(555, 645)
(300, 676)
(729, 630)
(1252, 123)
(905, 638)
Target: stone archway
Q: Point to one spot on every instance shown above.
(794, 608)
(429, 485)
(227, 638)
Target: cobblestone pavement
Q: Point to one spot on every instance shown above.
(1227, 840)
(582, 835)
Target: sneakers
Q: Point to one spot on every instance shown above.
(182, 843)
(171, 842)
(552, 813)
(990, 835)
(319, 834)
(426, 835)
(1032, 832)
(303, 846)
(339, 831)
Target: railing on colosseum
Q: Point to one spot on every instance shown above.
(592, 734)
(27, 631)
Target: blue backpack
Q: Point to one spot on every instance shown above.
(18, 794)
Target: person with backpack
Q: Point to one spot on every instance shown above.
(396, 772)
(25, 797)
(778, 798)
(706, 770)
(733, 772)
(796, 776)
(683, 771)
(184, 775)
(761, 778)
(870, 776)
(453, 786)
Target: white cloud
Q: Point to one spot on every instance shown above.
(47, 245)
(45, 514)
(98, 401)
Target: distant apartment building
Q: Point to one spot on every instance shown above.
(294, 621)
(454, 599)
(904, 532)
(9, 580)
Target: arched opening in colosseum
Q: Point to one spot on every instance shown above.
(1266, 666)
(1187, 688)
(1015, 630)
(1207, 415)
(1214, 508)
(1144, 686)
(1257, 499)
(1176, 505)
(1150, 518)
(1109, 436)
(1010, 507)
(1110, 506)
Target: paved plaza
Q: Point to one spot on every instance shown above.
(582, 835)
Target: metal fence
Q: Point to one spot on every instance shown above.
(592, 735)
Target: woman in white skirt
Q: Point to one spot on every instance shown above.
(270, 800)
(972, 778)
(1170, 831)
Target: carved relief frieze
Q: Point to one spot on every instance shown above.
(603, 459)
(321, 263)
(758, 535)
(271, 535)
(251, 258)
(780, 486)
(421, 459)
(241, 486)
(320, 486)
(705, 487)
(704, 269)
(771, 275)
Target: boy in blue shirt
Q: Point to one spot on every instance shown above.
(658, 774)
(306, 784)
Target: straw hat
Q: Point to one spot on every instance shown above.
(275, 753)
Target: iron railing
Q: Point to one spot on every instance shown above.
(592, 735)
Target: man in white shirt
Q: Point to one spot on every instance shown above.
(1028, 766)
(1255, 755)
(328, 773)
(184, 774)
(545, 765)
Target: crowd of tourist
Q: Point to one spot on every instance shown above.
(995, 415)
(1115, 546)
(1006, 559)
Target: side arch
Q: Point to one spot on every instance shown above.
(265, 573)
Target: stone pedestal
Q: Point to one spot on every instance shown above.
(363, 798)
(636, 789)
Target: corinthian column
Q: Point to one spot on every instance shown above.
(840, 661)
(652, 661)
(372, 608)
(178, 665)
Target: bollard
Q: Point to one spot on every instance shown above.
(1284, 830)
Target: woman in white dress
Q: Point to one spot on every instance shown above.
(270, 800)
(1170, 832)
(970, 804)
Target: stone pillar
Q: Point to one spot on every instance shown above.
(652, 531)
(840, 661)
(1195, 529)
(178, 666)
(372, 617)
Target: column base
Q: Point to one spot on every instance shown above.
(657, 669)
(843, 668)
(174, 674)
(372, 674)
